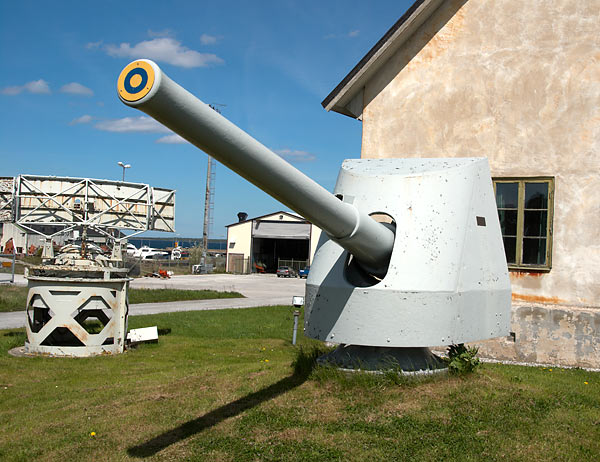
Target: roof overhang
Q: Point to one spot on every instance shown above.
(346, 98)
(262, 217)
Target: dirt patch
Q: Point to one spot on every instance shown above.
(253, 375)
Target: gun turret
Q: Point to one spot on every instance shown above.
(438, 277)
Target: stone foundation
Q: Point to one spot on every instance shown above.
(549, 334)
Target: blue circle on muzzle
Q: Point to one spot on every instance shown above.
(138, 71)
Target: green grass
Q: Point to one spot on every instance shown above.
(176, 295)
(14, 298)
(228, 386)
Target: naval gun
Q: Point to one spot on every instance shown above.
(411, 255)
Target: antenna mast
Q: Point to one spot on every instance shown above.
(209, 201)
(209, 196)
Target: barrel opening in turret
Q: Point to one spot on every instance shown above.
(354, 272)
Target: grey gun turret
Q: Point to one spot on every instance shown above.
(144, 86)
(434, 275)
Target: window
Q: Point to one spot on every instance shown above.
(525, 207)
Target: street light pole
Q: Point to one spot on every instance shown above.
(121, 164)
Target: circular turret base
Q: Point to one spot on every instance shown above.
(407, 361)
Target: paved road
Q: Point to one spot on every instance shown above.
(259, 290)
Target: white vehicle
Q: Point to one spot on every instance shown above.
(131, 250)
(148, 253)
(176, 253)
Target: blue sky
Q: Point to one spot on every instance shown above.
(269, 63)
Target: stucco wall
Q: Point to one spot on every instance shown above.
(549, 334)
(518, 82)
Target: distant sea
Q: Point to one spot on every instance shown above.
(186, 243)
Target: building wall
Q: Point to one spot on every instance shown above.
(19, 237)
(315, 235)
(519, 83)
(284, 217)
(242, 235)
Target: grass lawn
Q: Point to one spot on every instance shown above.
(14, 298)
(221, 387)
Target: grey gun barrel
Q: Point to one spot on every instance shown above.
(144, 86)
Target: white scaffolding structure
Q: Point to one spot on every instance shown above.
(103, 205)
(69, 291)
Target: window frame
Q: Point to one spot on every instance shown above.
(521, 181)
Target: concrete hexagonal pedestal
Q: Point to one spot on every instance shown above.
(76, 312)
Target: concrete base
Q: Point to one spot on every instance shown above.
(549, 334)
(73, 312)
(71, 351)
(410, 361)
(24, 352)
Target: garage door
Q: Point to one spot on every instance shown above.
(281, 230)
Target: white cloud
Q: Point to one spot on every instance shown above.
(295, 155)
(160, 33)
(11, 90)
(84, 119)
(351, 34)
(172, 139)
(94, 45)
(75, 88)
(164, 49)
(206, 39)
(36, 87)
(141, 124)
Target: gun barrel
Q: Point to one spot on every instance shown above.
(144, 86)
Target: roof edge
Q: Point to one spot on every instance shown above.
(402, 29)
(281, 212)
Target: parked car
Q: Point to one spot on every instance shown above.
(286, 272)
(304, 272)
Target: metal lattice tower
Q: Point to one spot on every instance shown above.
(209, 201)
(209, 196)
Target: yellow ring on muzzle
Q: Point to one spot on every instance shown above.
(135, 81)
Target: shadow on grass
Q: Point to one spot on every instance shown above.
(303, 366)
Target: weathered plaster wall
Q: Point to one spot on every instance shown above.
(518, 82)
(549, 334)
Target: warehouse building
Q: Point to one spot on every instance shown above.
(264, 243)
